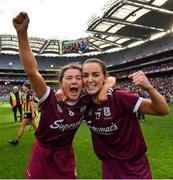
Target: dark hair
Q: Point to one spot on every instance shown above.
(27, 84)
(75, 65)
(98, 61)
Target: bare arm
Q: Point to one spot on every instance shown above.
(157, 105)
(102, 96)
(21, 22)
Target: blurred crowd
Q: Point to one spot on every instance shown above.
(78, 47)
(165, 67)
(163, 84)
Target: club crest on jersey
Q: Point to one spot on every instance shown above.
(71, 113)
(59, 109)
(106, 111)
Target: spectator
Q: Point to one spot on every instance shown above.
(16, 101)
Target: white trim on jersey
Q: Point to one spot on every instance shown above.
(71, 103)
(138, 103)
(45, 95)
(109, 92)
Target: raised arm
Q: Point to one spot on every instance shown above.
(157, 105)
(21, 22)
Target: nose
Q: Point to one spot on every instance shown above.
(90, 78)
(74, 80)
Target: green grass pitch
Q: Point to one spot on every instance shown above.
(158, 133)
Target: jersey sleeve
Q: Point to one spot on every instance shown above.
(126, 101)
(47, 99)
(45, 96)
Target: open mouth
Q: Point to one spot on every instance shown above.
(74, 90)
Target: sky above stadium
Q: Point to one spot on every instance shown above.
(62, 19)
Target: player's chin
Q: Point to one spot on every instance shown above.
(91, 92)
(74, 97)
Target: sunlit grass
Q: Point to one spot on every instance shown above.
(158, 133)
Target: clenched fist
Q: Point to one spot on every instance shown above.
(140, 79)
(21, 22)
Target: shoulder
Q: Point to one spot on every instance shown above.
(117, 91)
(49, 97)
(121, 95)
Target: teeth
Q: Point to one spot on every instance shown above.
(91, 86)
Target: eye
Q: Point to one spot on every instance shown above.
(84, 75)
(68, 77)
(78, 77)
(96, 74)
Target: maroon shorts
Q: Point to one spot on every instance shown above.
(126, 169)
(51, 163)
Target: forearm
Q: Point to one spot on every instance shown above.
(21, 22)
(102, 96)
(110, 83)
(157, 105)
(158, 102)
(30, 65)
(26, 55)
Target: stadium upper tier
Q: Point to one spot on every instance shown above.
(160, 49)
(120, 25)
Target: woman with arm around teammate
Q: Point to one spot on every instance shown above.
(117, 138)
(52, 154)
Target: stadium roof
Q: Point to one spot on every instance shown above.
(120, 24)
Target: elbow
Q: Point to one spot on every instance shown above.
(161, 110)
(164, 112)
(166, 109)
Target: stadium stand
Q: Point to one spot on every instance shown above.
(111, 38)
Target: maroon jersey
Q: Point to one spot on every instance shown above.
(115, 129)
(59, 121)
